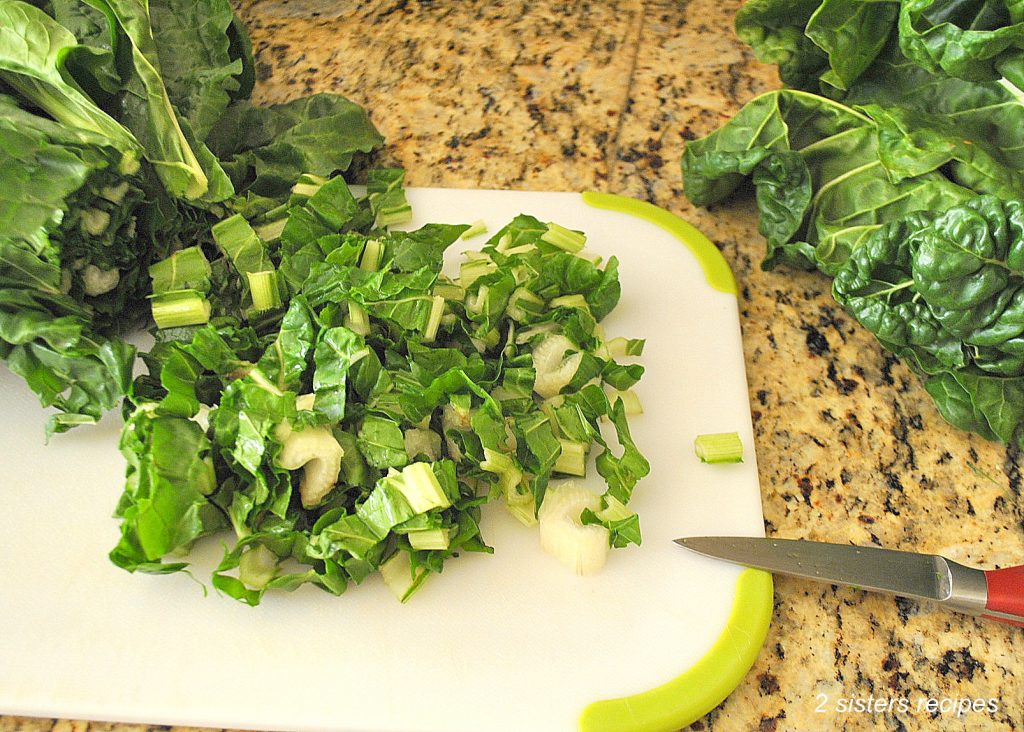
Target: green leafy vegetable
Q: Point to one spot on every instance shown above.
(988, 405)
(827, 45)
(945, 288)
(56, 290)
(975, 41)
(148, 109)
(902, 177)
(200, 63)
(822, 185)
(318, 385)
(33, 49)
(165, 504)
(266, 149)
(352, 445)
(945, 291)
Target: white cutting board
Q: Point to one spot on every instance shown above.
(509, 641)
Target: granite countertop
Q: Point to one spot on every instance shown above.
(554, 96)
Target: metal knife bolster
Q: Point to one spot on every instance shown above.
(962, 588)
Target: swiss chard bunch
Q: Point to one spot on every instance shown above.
(360, 425)
(895, 164)
(67, 232)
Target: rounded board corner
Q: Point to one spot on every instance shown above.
(688, 697)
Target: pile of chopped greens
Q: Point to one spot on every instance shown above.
(317, 386)
(893, 162)
(125, 133)
(356, 415)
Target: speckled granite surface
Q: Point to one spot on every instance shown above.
(553, 96)
(456, 88)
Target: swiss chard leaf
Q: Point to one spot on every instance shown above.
(424, 247)
(381, 442)
(197, 65)
(336, 351)
(165, 504)
(821, 205)
(331, 210)
(912, 143)
(286, 360)
(33, 50)
(988, 405)
(985, 113)
(947, 289)
(852, 33)
(775, 30)
(622, 472)
(976, 40)
(147, 107)
(818, 44)
(268, 148)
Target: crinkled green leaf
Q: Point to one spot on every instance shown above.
(945, 290)
(148, 111)
(287, 357)
(851, 192)
(318, 134)
(336, 351)
(164, 506)
(381, 442)
(196, 61)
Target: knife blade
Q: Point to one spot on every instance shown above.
(996, 594)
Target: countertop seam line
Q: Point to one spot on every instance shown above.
(611, 155)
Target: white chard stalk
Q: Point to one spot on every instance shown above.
(582, 548)
(554, 368)
(317, 452)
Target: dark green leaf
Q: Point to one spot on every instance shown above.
(381, 442)
(317, 134)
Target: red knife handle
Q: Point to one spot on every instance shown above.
(1006, 594)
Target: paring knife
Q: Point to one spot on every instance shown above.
(996, 594)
